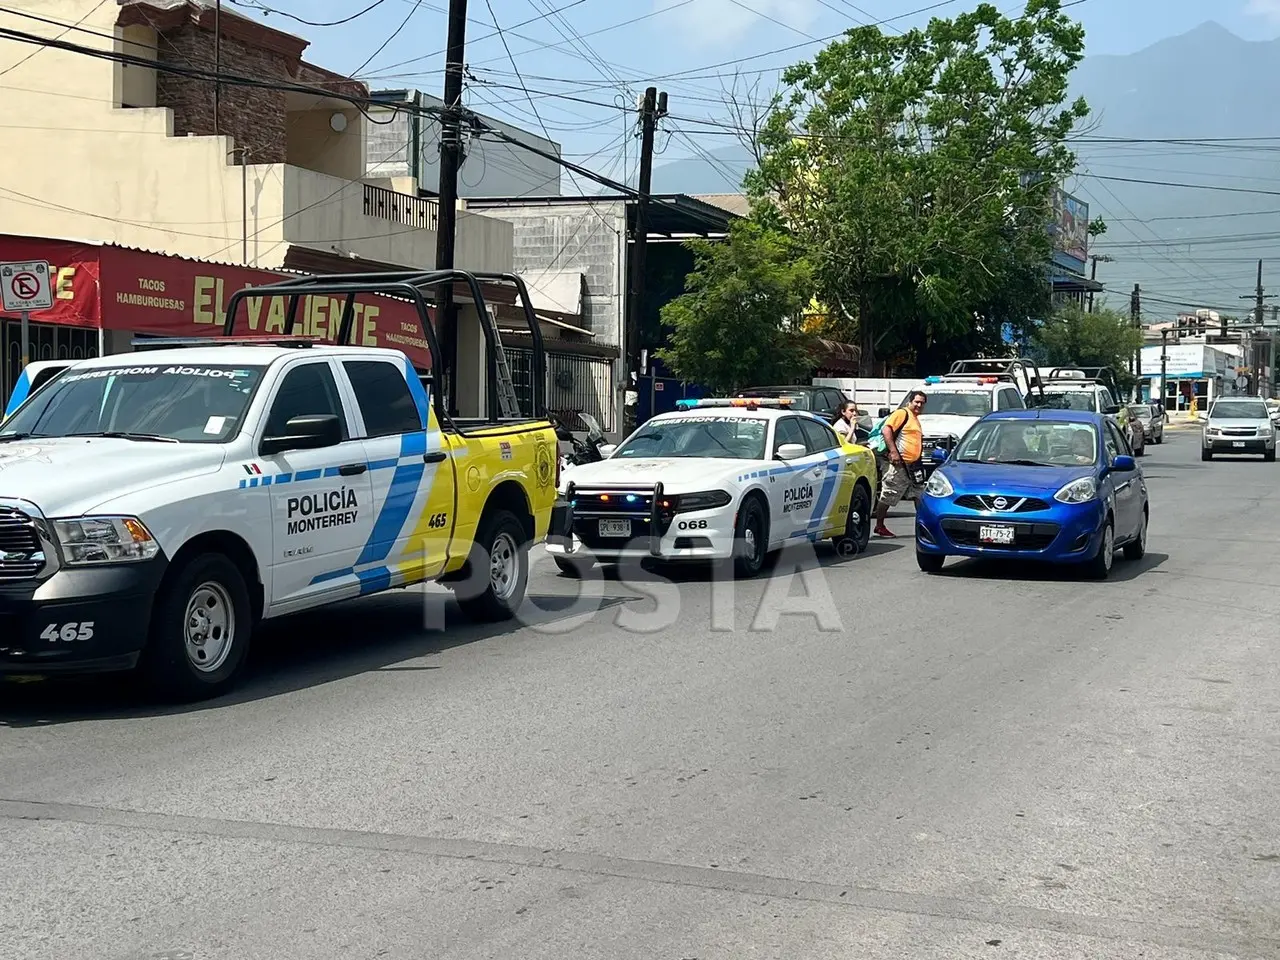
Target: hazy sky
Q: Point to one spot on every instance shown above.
(683, 46)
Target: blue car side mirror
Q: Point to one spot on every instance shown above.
(939, 454)
(1124, 464)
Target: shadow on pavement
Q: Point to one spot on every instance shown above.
(381, 633)
(980, 569)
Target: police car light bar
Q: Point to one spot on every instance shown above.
(266, 340)
(752, 402)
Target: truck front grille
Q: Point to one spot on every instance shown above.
(21, 555)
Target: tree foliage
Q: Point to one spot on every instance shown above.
(738, 321)
(1072, 337)
(916, 171)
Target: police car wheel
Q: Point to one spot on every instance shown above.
(857, 534)
(751, 539)
(501, 565)
(200, 630)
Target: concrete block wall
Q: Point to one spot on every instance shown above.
(586, 238)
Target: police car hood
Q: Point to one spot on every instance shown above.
(944, 424)
(677, 474)
(72, 476)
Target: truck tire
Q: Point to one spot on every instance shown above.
(577, 569)
(201, 628)
(1206, 454)
(503, 547)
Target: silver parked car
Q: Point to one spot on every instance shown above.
(1146, 416)
(1238, 425)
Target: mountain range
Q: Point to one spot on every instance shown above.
(1179, 112)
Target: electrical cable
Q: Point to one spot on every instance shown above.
(248, 5)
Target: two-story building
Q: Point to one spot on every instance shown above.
(164, 164)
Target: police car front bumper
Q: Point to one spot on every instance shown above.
(79, 620)
(696, 535)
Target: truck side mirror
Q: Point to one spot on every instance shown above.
(305, 433)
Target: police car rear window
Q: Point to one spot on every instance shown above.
(202, 403)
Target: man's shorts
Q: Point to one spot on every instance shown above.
(896, 485)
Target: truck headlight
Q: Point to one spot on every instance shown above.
(1211, 431)
(1078, 491)
(92, 540)
(938, 485)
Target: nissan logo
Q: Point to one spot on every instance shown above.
(999, 503)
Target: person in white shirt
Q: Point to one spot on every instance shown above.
(847, 421)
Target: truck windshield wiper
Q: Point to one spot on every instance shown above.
(126, 435)
(15, 436)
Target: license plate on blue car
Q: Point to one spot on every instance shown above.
(996, 535)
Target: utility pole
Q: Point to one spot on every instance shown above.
(1093, 272)
(1251, 353)
(1135, 313)
(217, 62)
(653, 106)
(450, 161)
(1164, 367)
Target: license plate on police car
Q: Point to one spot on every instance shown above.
(1238, 443)
(615, 528)
(999, 535)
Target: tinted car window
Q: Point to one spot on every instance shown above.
(788, 430)
(385, 402)
(307, 391)
(818, 437)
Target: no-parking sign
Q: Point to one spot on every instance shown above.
(25, 286)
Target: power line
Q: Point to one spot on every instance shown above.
(395, 33)
(1187, 186)
(253, 5)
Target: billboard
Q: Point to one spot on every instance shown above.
(1070, 230)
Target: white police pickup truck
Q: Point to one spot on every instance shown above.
(155, 506)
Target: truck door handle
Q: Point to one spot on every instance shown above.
(352, 469)
(435, 456)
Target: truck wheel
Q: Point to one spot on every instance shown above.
(1206, 454)
(200, 630)
(1269, 456)
(503, 549)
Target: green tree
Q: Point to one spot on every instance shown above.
(1072, 337)
(916, 172)
(738, 321)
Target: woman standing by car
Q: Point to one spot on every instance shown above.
(847, 423)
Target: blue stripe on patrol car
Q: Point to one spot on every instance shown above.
(400, 498)
(819, 517)
(374, 580)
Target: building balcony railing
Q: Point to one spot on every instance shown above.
(420, 212)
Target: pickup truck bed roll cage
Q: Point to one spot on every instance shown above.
(1021, 373)
(413, 285)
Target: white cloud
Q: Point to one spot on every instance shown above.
(1267, 9)
(722, 23)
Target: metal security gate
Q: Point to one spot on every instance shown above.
(575, 385)
(48, 341)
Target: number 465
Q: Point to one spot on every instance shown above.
(68, 632)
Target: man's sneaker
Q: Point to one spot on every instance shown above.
(883, 531)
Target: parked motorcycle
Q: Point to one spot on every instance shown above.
(586, 450)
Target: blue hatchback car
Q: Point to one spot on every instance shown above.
(1058, 486)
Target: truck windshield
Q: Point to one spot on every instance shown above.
(964, 404)
(195, 404)
(1082, 400)
(729, 438)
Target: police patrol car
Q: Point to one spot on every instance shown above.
(714, 480)
(155, 506)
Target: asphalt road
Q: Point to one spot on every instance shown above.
(992, 762)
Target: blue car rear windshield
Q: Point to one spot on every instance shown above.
(1048, 443)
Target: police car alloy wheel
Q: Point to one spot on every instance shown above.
(753, 538)
(201, 627)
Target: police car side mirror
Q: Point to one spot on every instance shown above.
(305, 433)
(606, 449)
(791, 451)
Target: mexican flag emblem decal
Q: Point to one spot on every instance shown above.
(253, 470)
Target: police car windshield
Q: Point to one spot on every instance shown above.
(969, 404)
(725, 438)
(1083, 400)
(1049, 443)
(189, 404)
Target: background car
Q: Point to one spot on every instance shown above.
(824, 401)
(1238, 425)
(1057, 486)
(1147, 417)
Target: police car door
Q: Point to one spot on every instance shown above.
(792, 484)
(825, 518)
(321, 500)
(409, 467)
